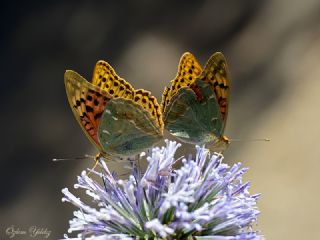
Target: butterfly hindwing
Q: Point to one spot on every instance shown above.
(127, 128)
(193, 120)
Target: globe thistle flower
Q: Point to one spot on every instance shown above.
(203, 199)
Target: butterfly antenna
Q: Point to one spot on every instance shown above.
(74, 158)
(86, 156)
(250, 140)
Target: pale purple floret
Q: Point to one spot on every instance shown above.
(204, 198)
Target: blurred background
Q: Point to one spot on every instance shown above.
(273, 52)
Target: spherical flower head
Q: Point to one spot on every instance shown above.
(202, 199)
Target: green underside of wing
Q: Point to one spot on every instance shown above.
(126, 128)
(191, 120)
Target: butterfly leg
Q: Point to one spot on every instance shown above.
(97, 161)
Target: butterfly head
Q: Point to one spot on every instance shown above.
(220, 145)
(101, 156)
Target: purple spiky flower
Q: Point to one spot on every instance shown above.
(203, 199)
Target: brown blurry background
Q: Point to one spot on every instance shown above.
(273, 52)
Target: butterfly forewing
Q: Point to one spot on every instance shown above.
(150, 104)
(87, 103)
(105, 77)
(216, 73)
(188, 70)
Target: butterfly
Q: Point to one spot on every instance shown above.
(195, 106)
(118, 120)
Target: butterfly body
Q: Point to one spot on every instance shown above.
(195, 106)
(119, 120)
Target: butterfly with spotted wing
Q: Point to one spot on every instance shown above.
(195, 106)
(119, 120)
